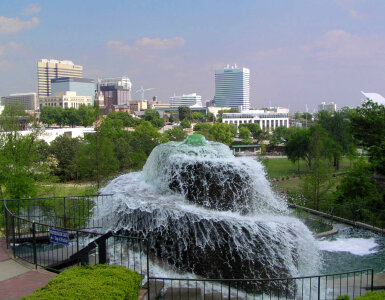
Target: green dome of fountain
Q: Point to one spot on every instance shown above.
(195, 140)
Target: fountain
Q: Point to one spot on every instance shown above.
(206, 212)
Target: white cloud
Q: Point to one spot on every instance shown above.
(4, 65)
(31, 10)
(147, 43)
(342, 45)
(14, 25)
(10, 47)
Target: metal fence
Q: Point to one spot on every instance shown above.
(330, 286)
(28, 222)
(28, 234)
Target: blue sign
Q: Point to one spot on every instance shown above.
(228, 71)
(59, 237)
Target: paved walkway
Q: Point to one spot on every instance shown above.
(18, 279)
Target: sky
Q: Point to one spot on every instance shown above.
(299, 52)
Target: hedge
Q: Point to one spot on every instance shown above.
(379, 295)
(91, 282)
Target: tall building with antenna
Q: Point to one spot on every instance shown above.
(232, 87)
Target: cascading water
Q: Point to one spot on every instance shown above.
(207, 212)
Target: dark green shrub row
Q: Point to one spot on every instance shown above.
(379, 295)
(92, 282)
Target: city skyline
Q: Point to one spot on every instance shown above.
(298, 53)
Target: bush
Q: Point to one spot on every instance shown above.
(344, 297)
(92, 282)
(379, 295)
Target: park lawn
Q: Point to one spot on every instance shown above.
(65, 189)
(283, 167)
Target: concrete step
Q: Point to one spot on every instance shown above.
(181, 293)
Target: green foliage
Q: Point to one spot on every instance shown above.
(176, 134)
(65, 150)
(153, 116)
(21, 166)
(13, 117)
(337, 126)
(221, 132)
(297, 146)
(127, 119)
(357, 187)
(378, 295)
(91, 282)
(197, 116)
(244, 134)
(234, 129)
(203, 127)
(344, 297)
(367, 126)
(317, 183)
(185, 123)
(83, 116)
(96, 157)
(254, 129)
(185, 113)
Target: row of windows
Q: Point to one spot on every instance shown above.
(262, 123)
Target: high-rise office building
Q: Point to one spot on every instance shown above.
(48, 69)
(116, 92)
(232, 88)
(82, 86)
(28, 100)
(186, 100)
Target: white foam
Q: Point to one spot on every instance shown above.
(356, 246)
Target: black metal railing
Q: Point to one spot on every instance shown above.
(29, 235)
(330, 286)
(27, 225)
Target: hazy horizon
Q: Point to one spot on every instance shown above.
(302, 52)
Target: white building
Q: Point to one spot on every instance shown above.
(65, 99)
(232, 87)
(379, 99)
(186, 100)
(28, 100)
(48, 69)
(266, 119)
(331, 107)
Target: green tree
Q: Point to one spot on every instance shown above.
(153, 116)
(146, 137)
(197, 116)
(221, 132)
(128, 120)
(87, 115)
(96, 157)
(176, 134)
(65, 150)
(255, 130)
(234, 129)
(185, 113)
(317, 183)
(297, 146)
(244, 134)
(367, 126)
(337, 126)
(185, 123)
(358, 187)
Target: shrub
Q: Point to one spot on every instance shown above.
(91, 282)
(344, 297)
(379, 295)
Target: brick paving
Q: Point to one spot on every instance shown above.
(23, 284)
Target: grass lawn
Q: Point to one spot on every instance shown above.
(65, 189)
(283, 167)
